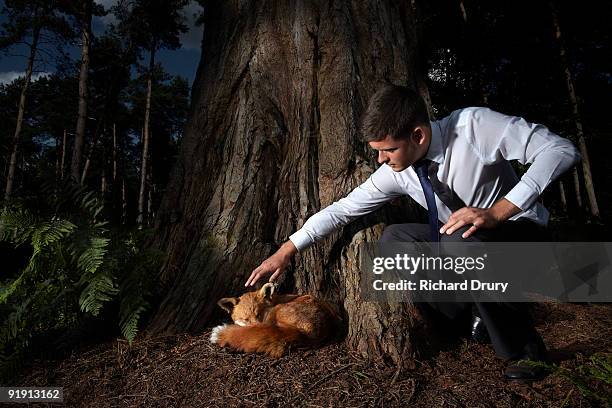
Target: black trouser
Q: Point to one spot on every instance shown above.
(509, 324)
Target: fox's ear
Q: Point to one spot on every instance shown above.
(267, 290)
(228, 304)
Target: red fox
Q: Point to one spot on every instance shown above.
(268, 323)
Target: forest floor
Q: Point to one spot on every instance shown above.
(189, 371)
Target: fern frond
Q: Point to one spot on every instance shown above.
(91, 204)
(91, 259)
(99, 290)
(130, 316)
(17, 225)
(50, 232)
(10, 289)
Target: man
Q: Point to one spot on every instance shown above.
(459, 169)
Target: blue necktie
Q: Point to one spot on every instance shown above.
(420, 168)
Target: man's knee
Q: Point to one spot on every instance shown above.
(390, 234)
(456, 236)
(404, 233)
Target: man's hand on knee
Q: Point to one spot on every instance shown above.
(466, 216)
(502, 210)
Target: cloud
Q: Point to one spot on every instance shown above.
(10, 76)
(110, 17)
(192, 39)
(106, 3)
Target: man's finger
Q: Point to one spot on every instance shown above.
(274, 275)
(457, 225)
(255, 272)
(257, 277)
(448, 224)
(453, 219)
(448, 227)
(470, 231)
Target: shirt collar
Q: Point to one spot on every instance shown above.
(435, 153)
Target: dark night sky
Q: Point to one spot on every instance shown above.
(183, 61)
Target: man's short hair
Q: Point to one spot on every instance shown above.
(393, 110)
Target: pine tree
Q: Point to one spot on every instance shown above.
(27, 21)
(151, 26)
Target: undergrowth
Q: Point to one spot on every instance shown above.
(77, 265)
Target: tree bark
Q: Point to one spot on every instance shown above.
(562, 196)
(103, 182)
(272, 138)
(63, 163)
(20, 113)
(586, 164)
(123, 201)
(114, 155)
(145, 138)
(57, 158)
(79, 137)
(577, 193)
(463, 12)
(92, 148)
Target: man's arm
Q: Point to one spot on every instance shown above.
(499, 137)
(379, 188)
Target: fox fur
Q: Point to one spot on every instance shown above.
(265, 322)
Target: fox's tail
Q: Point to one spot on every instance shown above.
(261, 338)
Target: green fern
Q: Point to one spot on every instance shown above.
(100, 289)
(10, 289)
(93, 256)
(76, 266)
(131, 311)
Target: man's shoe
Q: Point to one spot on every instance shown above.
(521, 369)
(478, 329)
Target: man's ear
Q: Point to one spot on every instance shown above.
(267, 291)
(418, 135)
(228, 304)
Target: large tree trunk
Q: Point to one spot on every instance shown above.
(273, 138)
(79, 137)
(21, 111)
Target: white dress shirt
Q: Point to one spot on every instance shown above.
(472, 147)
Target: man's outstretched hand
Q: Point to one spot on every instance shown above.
(275, 265)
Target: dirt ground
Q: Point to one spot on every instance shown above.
(188, 371)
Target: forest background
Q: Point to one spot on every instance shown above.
(92, 123)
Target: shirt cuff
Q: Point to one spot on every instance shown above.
(301, 240)
(522, 195)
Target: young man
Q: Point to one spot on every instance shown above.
(459, 169)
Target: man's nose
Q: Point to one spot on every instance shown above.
(382, 157)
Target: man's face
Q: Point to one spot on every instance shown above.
(403, 153)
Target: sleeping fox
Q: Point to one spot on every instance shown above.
(265, 322)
